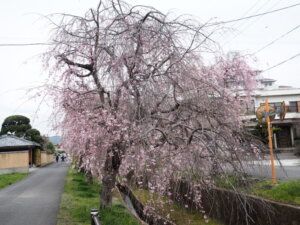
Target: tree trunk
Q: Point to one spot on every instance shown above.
(108, 184)
(88, 177)
(111, 169)
(79, 166)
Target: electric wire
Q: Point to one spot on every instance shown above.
(277, 39)
(248, 11)
(279, 64)
(207, 25)
(23, 44)
(239, 24)
(252, 16)
(251, 24)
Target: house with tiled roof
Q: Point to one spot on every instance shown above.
(18, 154)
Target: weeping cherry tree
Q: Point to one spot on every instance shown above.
(143, 93)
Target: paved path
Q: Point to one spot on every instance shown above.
(282, 173)
(287, 169)
(35, 200)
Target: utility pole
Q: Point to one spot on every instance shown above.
(270, 143)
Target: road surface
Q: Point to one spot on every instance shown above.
(282, 173)
(287, 169)
(35, 200)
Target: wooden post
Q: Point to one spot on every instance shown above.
(270, 143)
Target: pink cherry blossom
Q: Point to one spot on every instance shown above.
(134, 95)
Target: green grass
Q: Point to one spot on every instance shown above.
(8, 179)
(283, 191)
(232, 181)
(79, 198)
(118, 214)
(229, 181)
(172, 211)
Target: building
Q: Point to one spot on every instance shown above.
(18, 154)
(284, 139)
(59, 147)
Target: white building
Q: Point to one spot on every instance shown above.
(290, 126)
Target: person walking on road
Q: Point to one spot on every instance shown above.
(57, 158)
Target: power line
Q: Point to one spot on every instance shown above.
(278, 64)
(23, 44)
(239, 24)
(248, 11)
(208, 25)
(272, 42)
(250, 24)
(252, 7)
(252, 16)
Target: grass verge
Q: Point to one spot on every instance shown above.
(8, 179)
(173, 211)
(283, 191)
(79, 198)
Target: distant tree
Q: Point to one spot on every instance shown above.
(16, 124)
(19, 126)
(34, 135)
(50, 147)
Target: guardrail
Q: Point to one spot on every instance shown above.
(94, 217)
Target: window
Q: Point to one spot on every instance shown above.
(266, 84)
(292, 107)
(275, 105)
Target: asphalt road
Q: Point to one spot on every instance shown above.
(282, 173)
(34, 200)
(287, 169)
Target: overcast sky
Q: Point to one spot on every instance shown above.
(21, 22)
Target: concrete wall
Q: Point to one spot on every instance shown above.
(12, 162)
(234, 208)
(17, 159)
(46, 158)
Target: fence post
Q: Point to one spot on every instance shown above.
(94, 217)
